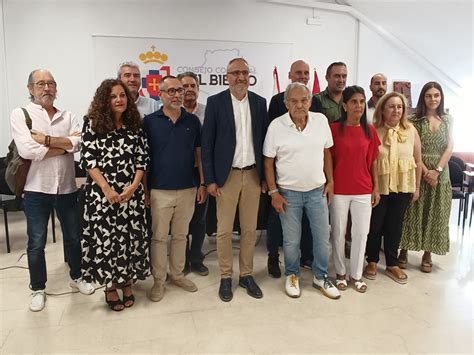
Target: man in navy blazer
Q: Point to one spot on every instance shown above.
(234, 129)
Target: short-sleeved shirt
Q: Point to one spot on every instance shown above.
(330, 108)
(299, 155)
(172, 148)
(353, 154)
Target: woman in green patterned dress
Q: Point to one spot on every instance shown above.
(426, 225)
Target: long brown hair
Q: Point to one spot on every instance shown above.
(421, 105)
(100, 112)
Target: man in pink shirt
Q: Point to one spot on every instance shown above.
(50, 145)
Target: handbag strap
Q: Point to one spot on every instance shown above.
(27, 118)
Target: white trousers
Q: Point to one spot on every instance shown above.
(360, 207)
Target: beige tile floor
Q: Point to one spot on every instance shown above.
(433, 313)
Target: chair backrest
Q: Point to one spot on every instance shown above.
(458, 161)
(455, 174)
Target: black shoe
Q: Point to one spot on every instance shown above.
(273, 266)
(200, 269)
(252, 288)
(225, 289)
(307, 264)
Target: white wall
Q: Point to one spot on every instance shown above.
(57, 35)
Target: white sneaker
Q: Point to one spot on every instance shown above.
(84, 287)
(38, 298)
(292, 286)
(326, 287)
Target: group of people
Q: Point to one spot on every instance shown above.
(151, 166)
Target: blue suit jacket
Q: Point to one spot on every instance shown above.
(218, 135)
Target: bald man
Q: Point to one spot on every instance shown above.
(299, 72)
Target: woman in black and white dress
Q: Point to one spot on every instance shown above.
(114, 153)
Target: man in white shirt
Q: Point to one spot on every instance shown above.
(51, 144)
(298, 143)
(129, 74)
(232, 139)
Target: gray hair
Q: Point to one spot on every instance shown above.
(294, 86)
(126, 64)
(189, 74)
(31, 81)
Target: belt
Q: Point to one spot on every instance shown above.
(248, 167)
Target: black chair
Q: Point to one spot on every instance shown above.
(458, 161)
(457, 185)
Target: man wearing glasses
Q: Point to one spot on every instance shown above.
(51, 142)
(174, 139)
(234, 129)
(129, 74)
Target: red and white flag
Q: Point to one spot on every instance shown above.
(316, 87)
(276, 82)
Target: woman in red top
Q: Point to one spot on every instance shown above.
(355, 184)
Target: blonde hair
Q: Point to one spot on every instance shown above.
(378, 114)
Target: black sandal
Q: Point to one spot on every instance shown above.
(114, 305)
(128, 301)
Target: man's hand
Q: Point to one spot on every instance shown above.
(39, 138)
(329, 191)
(201, 194)
(278, 202)
(264, 187)
(213, 190)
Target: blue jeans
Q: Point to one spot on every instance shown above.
(316, 208)
(38, 208)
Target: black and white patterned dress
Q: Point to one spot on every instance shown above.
(115, 243)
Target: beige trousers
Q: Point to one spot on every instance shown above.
(241, 187)
(170, 210)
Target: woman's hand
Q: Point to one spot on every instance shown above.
(415, 195)
(111, 195)
(127, 193)
(431, 177)
(375, 197)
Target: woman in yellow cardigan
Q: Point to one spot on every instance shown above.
(399, 175)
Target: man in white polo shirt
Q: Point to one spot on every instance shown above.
(298, 143)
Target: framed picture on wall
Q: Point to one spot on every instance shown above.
(404, 88)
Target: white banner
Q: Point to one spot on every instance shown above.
(158, 57)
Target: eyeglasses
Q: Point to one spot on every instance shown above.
(239, 72)
(42, 84)
(173, 91)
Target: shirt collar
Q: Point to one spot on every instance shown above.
(244, 100)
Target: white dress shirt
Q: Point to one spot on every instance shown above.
(55, 175)
(244, 152)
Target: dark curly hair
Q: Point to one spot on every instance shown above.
(100, 113)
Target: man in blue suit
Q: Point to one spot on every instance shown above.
(234, 129)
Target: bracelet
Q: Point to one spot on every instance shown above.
(47, 141)
(270, 192)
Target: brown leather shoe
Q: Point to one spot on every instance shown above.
(370, 271)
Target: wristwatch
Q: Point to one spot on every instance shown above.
(270, 192)
(439, 169)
